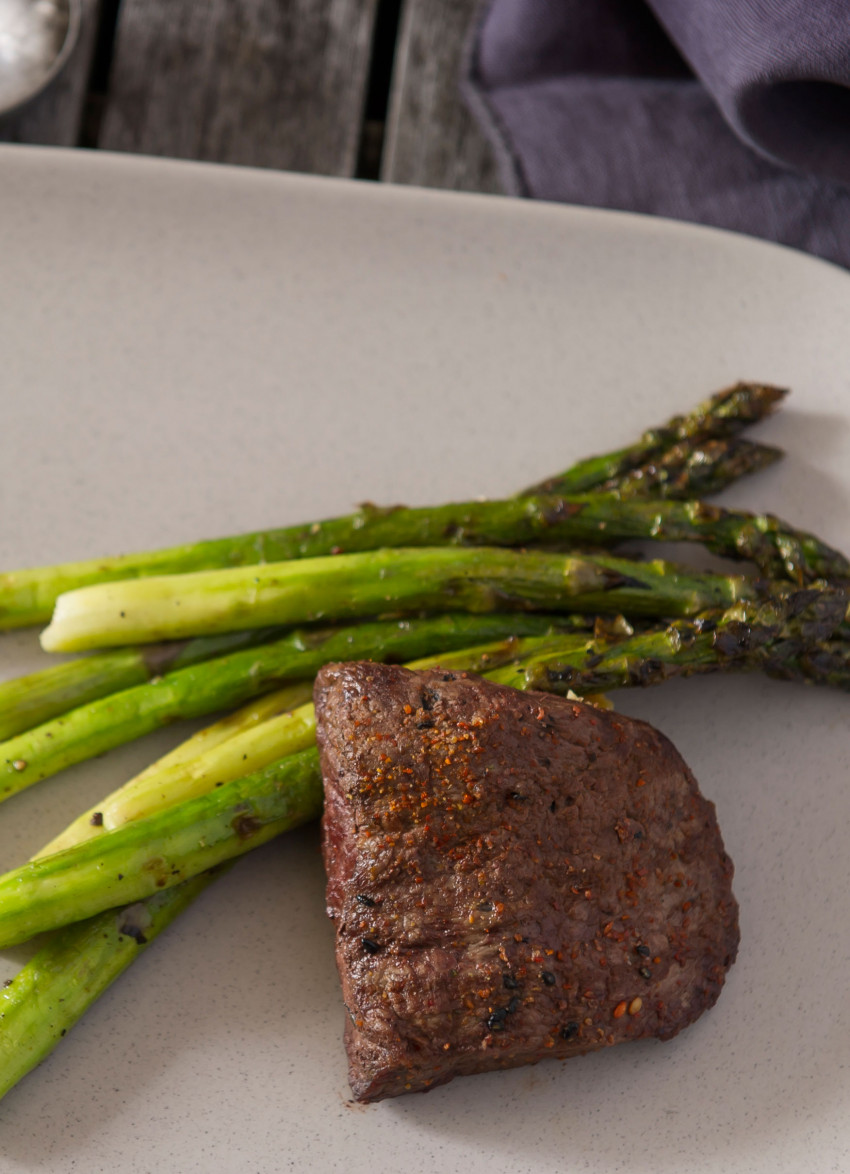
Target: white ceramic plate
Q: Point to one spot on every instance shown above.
(192, 351)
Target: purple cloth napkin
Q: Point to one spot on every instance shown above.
(734, 113)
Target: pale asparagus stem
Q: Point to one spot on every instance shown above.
(248, 717)
(254, 748)
(236, 740)
(161, 788)
(398, 581)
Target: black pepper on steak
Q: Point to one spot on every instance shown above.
(511, 876)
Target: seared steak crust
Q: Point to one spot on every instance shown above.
(511, 876)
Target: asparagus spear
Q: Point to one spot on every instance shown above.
(724, 414)
(72, 969)
(77, 964)
(381, 582)
(777, 548)
(231, 680)
(29, 701)
(788, 638)
(688, 471)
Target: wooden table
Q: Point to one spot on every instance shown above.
(355, 88)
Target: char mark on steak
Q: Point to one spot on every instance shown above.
(511, 876)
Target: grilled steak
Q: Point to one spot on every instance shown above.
(511, 876)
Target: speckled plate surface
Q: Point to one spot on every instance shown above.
(191, 351)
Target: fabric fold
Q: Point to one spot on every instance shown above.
(779, 71)
(669, 108)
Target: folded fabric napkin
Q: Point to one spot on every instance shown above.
(734, 113)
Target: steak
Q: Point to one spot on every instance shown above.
(511, 876)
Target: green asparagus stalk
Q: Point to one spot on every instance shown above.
(72, 969)
(139, 859)
(77, 964)
(380, 582)
(724, 414)
(687, 471)
(29, 701)
(232, 680)
(778, 549)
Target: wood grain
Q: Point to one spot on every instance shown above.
(270, 83)
(55, 117)
(431, 138)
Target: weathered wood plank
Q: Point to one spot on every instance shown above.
(431, 138)
(55, 117)
(270, 83)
